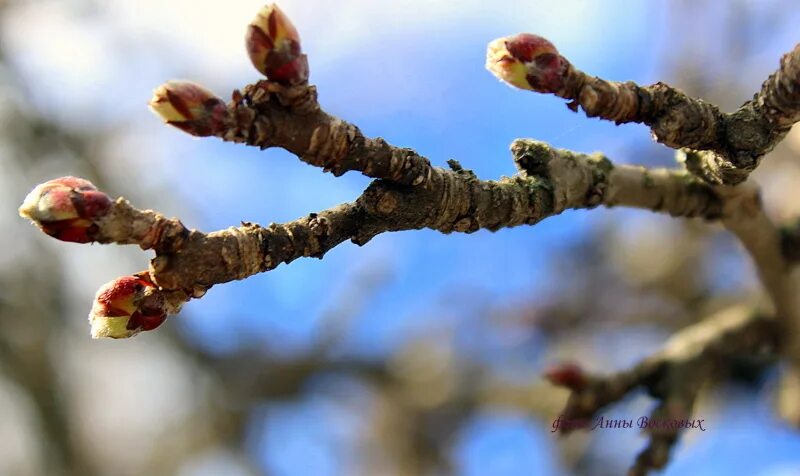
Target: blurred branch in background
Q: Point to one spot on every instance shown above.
(425, 405)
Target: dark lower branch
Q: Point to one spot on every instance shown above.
(450, 201)
(674, 376)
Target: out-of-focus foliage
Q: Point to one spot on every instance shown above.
(293, 373)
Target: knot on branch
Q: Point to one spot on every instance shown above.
(712, 167)
(576, 180)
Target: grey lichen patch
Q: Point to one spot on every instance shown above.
(578, 180)
(707, 165)
(540, 197)
(532, 156)
(647, 180)
(601, 170)
(601, 162)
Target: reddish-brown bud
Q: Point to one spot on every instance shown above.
(568, 375)
(66, 208)
(126, 306)
(528, 62)
(190, 107)
(273, 45)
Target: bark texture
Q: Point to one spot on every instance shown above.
(725, 147)
(409, 193)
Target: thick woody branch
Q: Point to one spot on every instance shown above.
(739, 208)
(125, 225)
(675, 192)
(267, 115)
(728, 146)
(766, 243)
(240, 252)
(451, 201)
(674, 376)
(779, 98)
(410, 193)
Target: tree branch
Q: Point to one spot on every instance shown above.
(451, 201)
(410, 193)
(189, 262)
(725, 147)
(267, 115)
(674, 376)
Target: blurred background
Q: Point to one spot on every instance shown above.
(420, 353)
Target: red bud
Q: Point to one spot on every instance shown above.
(528, 62)
(273, 45)
(190, 107)
(66, 208)
(126, 306)
(568, 375)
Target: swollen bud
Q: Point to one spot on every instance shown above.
(126, 306)
(568, 375)
(66, 208)
(190, 107)
(528, 62)
(273, 45)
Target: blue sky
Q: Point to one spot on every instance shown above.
(411, 72)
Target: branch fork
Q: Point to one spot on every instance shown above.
(718, 150)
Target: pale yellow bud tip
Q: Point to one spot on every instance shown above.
(504, 66)
(161, 105)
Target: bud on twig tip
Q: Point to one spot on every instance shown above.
(66, 208)
(126, 306)
(273, 45)
(189, 107)
(567, 374)
(528, 62)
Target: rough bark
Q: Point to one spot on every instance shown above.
(725, 147)
(410, 193)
